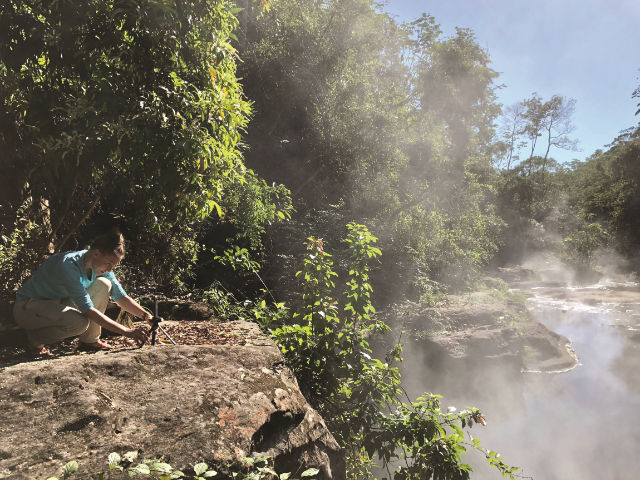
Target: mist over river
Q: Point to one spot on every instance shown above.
(581, 424)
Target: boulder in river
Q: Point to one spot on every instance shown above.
(516, 274)
(484, 332)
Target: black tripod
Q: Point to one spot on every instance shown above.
(156, 324)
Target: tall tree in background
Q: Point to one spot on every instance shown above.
(558, 124)
(512, 128)
(553, 120)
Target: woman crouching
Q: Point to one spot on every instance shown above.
(68, 295)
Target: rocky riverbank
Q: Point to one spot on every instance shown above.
(492, 325)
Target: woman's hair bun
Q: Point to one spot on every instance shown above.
(110, 242)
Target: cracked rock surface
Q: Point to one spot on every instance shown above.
(213, 404)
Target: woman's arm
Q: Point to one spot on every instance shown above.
(139, 334)
(129, 305)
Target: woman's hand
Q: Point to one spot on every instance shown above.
(130, 306)
(147, 318)
(140, 335)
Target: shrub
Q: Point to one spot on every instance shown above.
(360, 397)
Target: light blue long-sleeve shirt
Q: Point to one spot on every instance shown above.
(63, 275)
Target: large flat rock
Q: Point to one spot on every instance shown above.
(216, 404)
(486, 331)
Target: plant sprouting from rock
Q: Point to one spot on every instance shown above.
(202, 471)
(67, 471)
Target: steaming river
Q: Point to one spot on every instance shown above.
(578, 425)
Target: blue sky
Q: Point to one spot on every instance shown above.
(584, 49)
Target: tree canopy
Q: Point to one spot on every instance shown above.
(386, 123)
(129, 107)
(134, 102)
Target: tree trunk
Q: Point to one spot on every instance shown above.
(45, 214)
(533, 147)
(306, 182)
(52, 237)
(544, 162)
(513, 141)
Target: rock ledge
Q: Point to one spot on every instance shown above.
(216, 404)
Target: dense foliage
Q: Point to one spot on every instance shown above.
(579, 212)
(360, 397)
(607, 187)
(131, 110)
(152, 102)
(543, 218)
(372, 120)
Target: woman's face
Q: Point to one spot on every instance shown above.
(104, 262)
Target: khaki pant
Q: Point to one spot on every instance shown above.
(49, 321)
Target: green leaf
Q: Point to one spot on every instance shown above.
(114, 459)
(142, 468)
(285, 476)
(69, 469)
(236, 10)
(200, 468)
(161, 467)
(310, 472)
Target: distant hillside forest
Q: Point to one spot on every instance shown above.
(219, 137)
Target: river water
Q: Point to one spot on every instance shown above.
(583, 424)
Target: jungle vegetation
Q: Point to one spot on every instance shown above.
(194, 139)
(221, 136)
